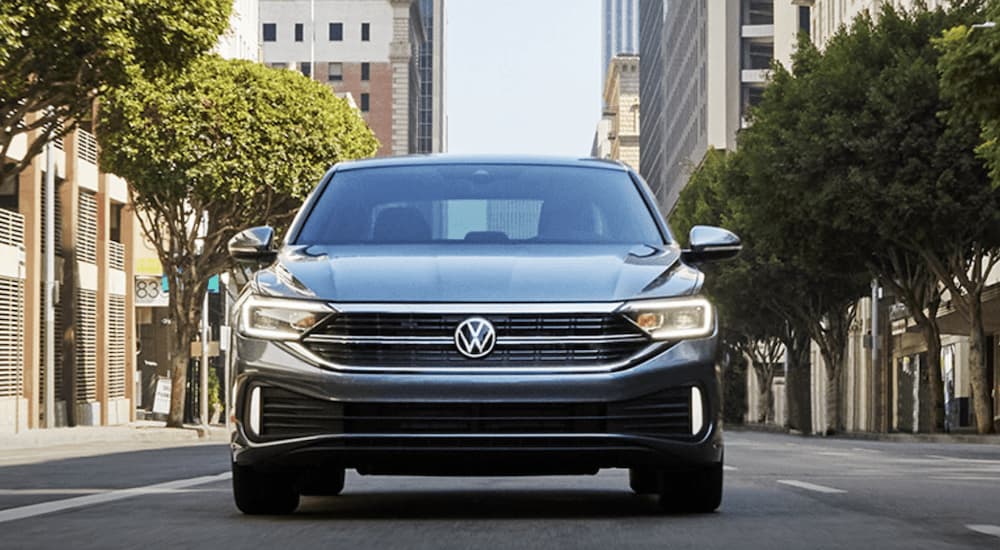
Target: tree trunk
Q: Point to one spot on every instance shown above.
(181, 357)
(982, 402)
(834, 368)
(765, 375)
(186, 310)
(797, 382)
(932, 373)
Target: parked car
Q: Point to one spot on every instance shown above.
(476, 316)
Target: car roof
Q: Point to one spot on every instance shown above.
(446, 159)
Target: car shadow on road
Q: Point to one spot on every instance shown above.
(479, 504)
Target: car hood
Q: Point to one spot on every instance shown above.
(478, 273)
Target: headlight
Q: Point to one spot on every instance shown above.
(280, 319)
(672, 319)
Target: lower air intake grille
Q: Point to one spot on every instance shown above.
(287, 415)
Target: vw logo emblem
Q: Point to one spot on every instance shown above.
(475, 337)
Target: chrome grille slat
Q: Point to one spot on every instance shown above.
(373, 339)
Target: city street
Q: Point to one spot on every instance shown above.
(781, 492)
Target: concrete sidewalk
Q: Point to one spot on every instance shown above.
(992, 439)
(140, 432)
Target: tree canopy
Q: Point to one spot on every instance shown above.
(57, 57)
(222, 146)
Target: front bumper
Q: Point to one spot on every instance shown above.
(476, 423)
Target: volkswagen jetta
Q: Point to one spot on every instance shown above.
(476, 316)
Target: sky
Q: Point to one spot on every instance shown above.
(523, 76)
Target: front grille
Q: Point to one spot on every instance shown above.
(285, 414)
(376, 340)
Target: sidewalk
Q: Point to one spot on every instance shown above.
(992, 439)
(141, 431)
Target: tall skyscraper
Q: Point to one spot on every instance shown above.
(705, 62)
(620, 25)
(652, 87)
(431, 128)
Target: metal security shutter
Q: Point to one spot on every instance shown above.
(86, 229)
(11, 312)
(116, 256)
(11, 337)
(116, 347)
(86, 346)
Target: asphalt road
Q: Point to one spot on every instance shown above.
(781, 492)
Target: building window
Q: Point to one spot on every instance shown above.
(336, 32)
(365, 103)
(757, 55)
(298, 32)
(335, 72)
(366, 32)
(804, 19)
(758, 12)
(270, 32)
(366, 71)
(306, 68)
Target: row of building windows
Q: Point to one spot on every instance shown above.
(336, 32)
(335, 71)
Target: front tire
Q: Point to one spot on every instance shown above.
(698, 492)
(258, 493)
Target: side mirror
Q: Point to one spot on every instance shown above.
(254, 245)
(710, 244)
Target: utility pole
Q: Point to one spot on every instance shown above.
(48, 289)
(205, 334)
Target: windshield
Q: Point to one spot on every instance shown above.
(480, 203)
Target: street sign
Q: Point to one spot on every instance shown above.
(150, 292)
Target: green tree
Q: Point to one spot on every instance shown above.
(58, 57)
(223, 146)
(898, 181)
(781, 204)
(969, 78)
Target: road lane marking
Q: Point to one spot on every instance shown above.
(77, 491)
(22, 512)
(729, 468)
(810, 486)
(986, 529)
(972, 460)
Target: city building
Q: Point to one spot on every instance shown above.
(620, 28)
(652, 87)
(92, 373)
(388, 54)
(617, 134)
(708, 63)
(240, 41)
